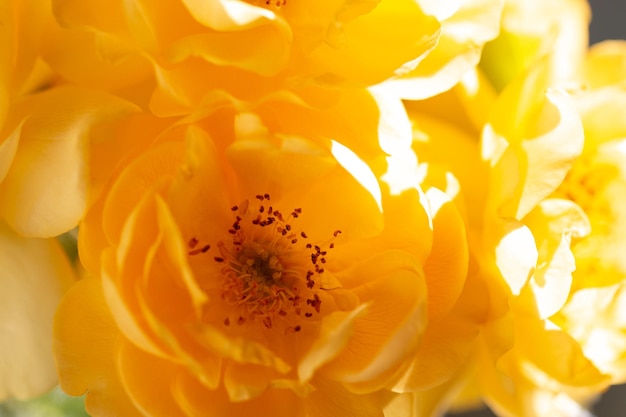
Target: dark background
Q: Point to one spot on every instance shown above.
(608, 22)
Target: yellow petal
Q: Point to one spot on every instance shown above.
(556, 353)
(8, 148)
(46, 190)
(239, 349)
(160, 162)
(148, 380)
(552, 281)
(268, 56)
(447, 342)
(85, 346)
(244, 382)
(226, 15)
(446, 267)
(397, 32)
(197, 401)
(75, 14)
(544, 136)
(332, 399)
(396, 298)
(605, 64)
(459, 48)
(335, 330)
(35, 274)
(516, 255)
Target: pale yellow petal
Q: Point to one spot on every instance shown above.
(541, 135)
(46, 190)
(35, 274)
(463, 35)
(516, 255)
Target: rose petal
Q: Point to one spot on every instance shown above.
(134, 364)
(46, 190)
(85, 346)
(395, 318)
(35, 274)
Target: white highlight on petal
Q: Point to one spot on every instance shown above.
(358, 169)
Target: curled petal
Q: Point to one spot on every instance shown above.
(46, 190)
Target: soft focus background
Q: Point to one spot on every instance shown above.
(609, 22)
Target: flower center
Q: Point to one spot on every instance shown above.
(270, 271)
(585, 184)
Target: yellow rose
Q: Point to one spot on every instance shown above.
(524, 361)
(248, 266)
(593, 314)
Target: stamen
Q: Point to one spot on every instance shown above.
(264, 267)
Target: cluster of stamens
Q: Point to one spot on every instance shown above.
(269, 269)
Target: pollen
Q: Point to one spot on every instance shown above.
(270, 272)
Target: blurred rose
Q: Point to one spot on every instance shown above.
(597, 182)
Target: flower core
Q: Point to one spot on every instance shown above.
(269, 270)
(585, 184)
